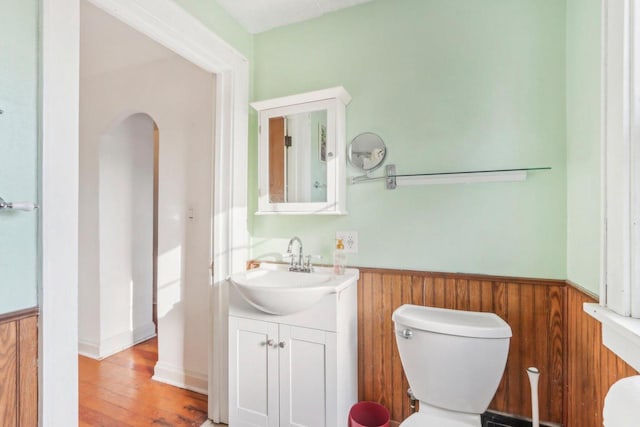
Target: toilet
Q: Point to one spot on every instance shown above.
(622, 403)
(454, 361)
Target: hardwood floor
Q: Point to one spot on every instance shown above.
(119, 392)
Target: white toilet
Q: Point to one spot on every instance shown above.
(454, 361)
(622, 403)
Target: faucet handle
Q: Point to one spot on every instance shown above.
(292, 260)
(307, 266)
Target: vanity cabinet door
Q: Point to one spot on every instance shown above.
(308, 377)
(253, 373)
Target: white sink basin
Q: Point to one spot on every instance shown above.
(275, 290)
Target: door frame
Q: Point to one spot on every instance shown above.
(170, 25)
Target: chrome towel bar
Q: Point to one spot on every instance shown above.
(17, 206)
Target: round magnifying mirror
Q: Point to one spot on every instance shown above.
(367, 151)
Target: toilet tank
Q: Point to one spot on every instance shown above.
(453, 359)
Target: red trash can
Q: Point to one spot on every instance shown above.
(368, 414)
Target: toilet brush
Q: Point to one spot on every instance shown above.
(534, 374)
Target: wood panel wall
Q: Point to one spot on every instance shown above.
(590, 367)
(19, 369)
(533, 309)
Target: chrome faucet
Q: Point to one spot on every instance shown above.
(296, 263)
(299, 262)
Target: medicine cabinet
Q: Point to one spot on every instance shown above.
(301, 153)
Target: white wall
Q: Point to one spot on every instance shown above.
(179, 98)
(125, 196)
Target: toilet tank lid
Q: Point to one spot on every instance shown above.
(452, 322)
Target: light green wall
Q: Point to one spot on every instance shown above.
(450, 85)
(18, 152)
(583, 142)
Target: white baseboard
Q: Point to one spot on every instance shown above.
(183, 378)
(89, 349)
(116, 343)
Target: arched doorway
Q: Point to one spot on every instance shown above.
(128, 232)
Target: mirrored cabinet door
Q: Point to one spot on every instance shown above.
(301, 149)
(298, 158)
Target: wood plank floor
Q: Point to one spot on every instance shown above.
(119, 392)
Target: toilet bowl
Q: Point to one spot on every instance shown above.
(622, 403)
(453, 360)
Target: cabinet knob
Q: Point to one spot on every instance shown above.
(269, 343)
(281, 344)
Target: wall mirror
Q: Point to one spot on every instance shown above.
(367, 151)
(300, 161)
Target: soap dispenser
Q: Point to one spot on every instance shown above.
(339, 258)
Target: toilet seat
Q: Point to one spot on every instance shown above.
(423, 419)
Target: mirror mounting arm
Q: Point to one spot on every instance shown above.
(364, 178)
(389, 176)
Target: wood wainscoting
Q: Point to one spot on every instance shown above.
(19, 368)
(590, 367)
(533, 309)
(550, 331)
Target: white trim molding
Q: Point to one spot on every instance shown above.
(620, 334)
(618, 164)
(337, 92)
(170, 25)
(620, 289)
(58, 293)
(89, 349)
(179, 377)
(619, 308)
(116, 343)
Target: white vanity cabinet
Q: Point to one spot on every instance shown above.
(284, 375)
(293, 370)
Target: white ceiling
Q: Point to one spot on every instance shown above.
(262, 15)
(107, 44)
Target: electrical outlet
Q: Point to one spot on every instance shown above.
(349, 240)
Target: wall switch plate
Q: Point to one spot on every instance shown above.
(349, 240)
